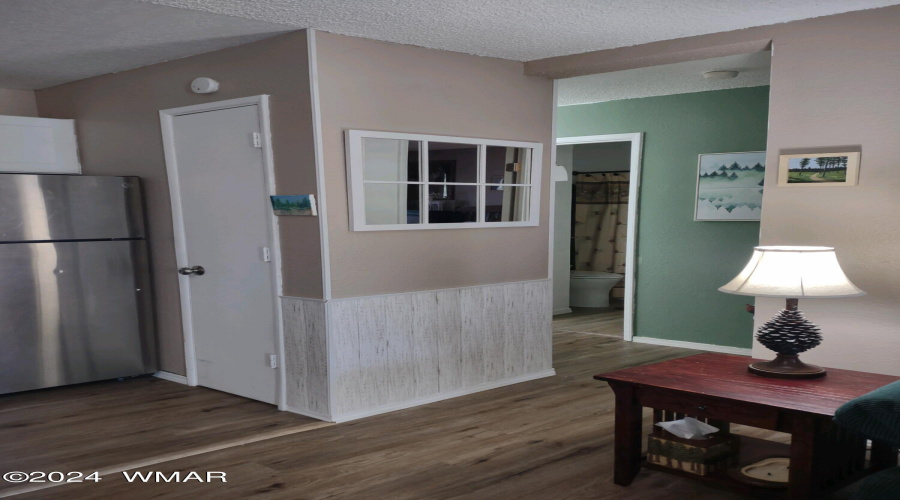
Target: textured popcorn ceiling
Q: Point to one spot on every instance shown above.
(667, 79)
(525, 30)
(48, 42)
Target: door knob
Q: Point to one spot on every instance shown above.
(187, 271)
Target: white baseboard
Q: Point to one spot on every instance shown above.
(309, 413)
(741, 351)
(562, 311)
(442, 396)
(171, 377)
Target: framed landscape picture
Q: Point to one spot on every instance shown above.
(730, 186)
(301, 204)
(807, 170)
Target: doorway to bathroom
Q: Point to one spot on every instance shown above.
(596, 221)
(679, 257)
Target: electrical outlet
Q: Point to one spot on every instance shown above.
(273, 361)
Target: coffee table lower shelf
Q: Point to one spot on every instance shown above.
(751, 450)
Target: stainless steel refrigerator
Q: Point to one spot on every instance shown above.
(75, 298)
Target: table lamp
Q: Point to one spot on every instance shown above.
(792, 273)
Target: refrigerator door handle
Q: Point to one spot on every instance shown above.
(196, 270)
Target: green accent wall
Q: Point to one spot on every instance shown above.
(681, 263)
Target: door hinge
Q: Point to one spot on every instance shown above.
(257, 140)
(273, 361)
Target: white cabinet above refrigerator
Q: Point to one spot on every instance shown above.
(38, 146)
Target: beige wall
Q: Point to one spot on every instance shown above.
(118, 130)
(17, 103)
(857, 106)
(371, 85)
(834, 85)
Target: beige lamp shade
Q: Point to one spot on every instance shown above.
(792, 272)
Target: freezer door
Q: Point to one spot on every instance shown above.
(74, 312)
(69, 207)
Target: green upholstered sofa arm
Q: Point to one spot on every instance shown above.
(883, 485)
(875, 415)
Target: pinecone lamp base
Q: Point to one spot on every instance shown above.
(788, 334)
(786, 366)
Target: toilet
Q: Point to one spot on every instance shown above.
(591, 288)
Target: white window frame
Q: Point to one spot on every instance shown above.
(353, 141)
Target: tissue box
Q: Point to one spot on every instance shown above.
(697, 456)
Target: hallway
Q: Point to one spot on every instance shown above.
(607, 322)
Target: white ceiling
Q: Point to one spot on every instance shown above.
(47, 42)
(666, 79)
(524, 30)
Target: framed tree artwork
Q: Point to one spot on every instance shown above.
(730, 186)
(809, 170)
(299, 204)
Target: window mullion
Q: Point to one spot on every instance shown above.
(423, 176)
(482, 179)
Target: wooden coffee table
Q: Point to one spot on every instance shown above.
(718, 388)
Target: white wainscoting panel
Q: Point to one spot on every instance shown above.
(450, 340)
(426, 352)
(471, 311)
(392, 351)
(346, 388)
(537, 301)
(306, 357)
(354, 357)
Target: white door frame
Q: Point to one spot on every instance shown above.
(636, 139)
(168, 135)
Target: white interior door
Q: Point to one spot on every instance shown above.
(221, 183)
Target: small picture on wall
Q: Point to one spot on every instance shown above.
(831, 169)
(730, 186)
(300, 204)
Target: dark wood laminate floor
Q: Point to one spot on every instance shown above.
(545, 439)
(606, 321)
(111, 424)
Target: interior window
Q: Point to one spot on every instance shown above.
(411, 181)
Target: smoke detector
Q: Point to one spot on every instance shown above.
(720, 75)
(204, 85)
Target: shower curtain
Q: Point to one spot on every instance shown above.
(599, 222)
